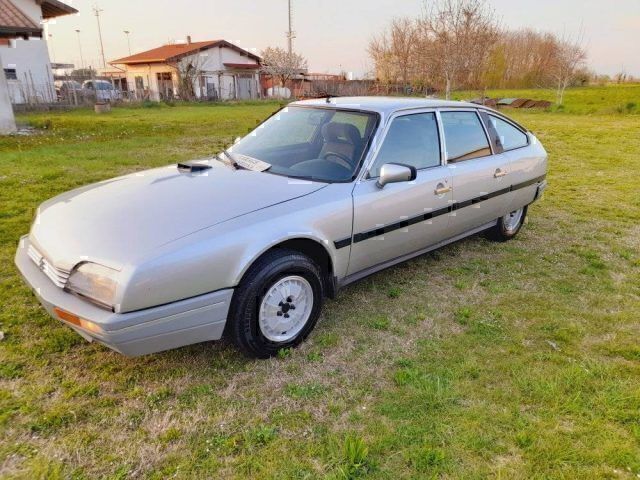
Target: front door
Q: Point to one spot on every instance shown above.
(480, 179)
(165, 85)
(245, 87)
(402, 218)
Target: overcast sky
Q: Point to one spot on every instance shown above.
(331, 34)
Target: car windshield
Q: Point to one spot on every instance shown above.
(322, 144)
(104, 86)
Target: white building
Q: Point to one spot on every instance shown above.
(24, 53)
(218, 70)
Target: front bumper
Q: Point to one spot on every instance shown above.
(540, 190)
(194, 320)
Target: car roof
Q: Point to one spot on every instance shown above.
(383, 105)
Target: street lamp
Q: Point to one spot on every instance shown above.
(127, 32)
(53, 52)
(80, 49)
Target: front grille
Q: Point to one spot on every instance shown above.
(57, 275)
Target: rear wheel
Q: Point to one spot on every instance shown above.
(508, 226)
(277, 304)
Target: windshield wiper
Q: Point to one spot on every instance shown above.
(232, 160)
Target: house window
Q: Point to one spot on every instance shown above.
(139, 83)
(10, 73)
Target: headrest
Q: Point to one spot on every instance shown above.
(334, 132)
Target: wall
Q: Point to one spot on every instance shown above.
(30, 59)
(148, 72)
(209, 62)
(7, 122)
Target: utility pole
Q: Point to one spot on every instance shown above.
(97, 11)
(127, 32)
(290, 34)
(80, 49)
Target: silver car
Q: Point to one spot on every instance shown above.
(248, 243)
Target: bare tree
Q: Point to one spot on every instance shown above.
(460, 44)
(282, 65)
(570, 57)
(462, 33)
(403, 42)
(380, 52)
(188, 71)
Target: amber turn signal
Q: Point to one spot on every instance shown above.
(76, 320)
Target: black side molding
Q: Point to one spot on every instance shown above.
(362, 236)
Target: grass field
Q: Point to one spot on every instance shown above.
(515, 360)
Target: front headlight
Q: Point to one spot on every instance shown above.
(95, 282)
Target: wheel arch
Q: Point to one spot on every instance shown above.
(312, 248)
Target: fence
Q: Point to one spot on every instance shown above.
(82, 91)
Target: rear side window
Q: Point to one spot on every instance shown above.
(464, 136)
(412, 140)
(510, 137)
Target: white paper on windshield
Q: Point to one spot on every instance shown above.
(250, 163)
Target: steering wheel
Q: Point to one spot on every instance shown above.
(341, 159)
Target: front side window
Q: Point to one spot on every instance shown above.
(464, 136)
(510, 137)
(321, 144)
(411, 140)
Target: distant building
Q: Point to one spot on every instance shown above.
(25, 58)
(215, 69)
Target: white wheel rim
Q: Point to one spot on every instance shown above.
(285, 308)
(512, 220)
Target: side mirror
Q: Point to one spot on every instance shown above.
(396, 172)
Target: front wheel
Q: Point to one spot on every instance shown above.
(277, 304)
(508, 226)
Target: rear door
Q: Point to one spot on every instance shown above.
(480, 176)
(402, 218)
(525, 166)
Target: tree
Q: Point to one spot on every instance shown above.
(380, 52)
(462, 34)
(188, 72)
(282, 65)
(570, 57)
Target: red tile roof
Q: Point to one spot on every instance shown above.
(14, 22)
(171, 52)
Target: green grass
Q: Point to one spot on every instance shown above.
(607, 99)
(515, 360)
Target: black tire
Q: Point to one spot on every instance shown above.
(500, 232)
(242, 324)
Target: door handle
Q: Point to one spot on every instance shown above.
(441, 189)
(499, 173)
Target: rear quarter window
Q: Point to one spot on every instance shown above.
(510, 137)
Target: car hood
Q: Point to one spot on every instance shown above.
(115, 221)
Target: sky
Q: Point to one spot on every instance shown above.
(332, 34)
